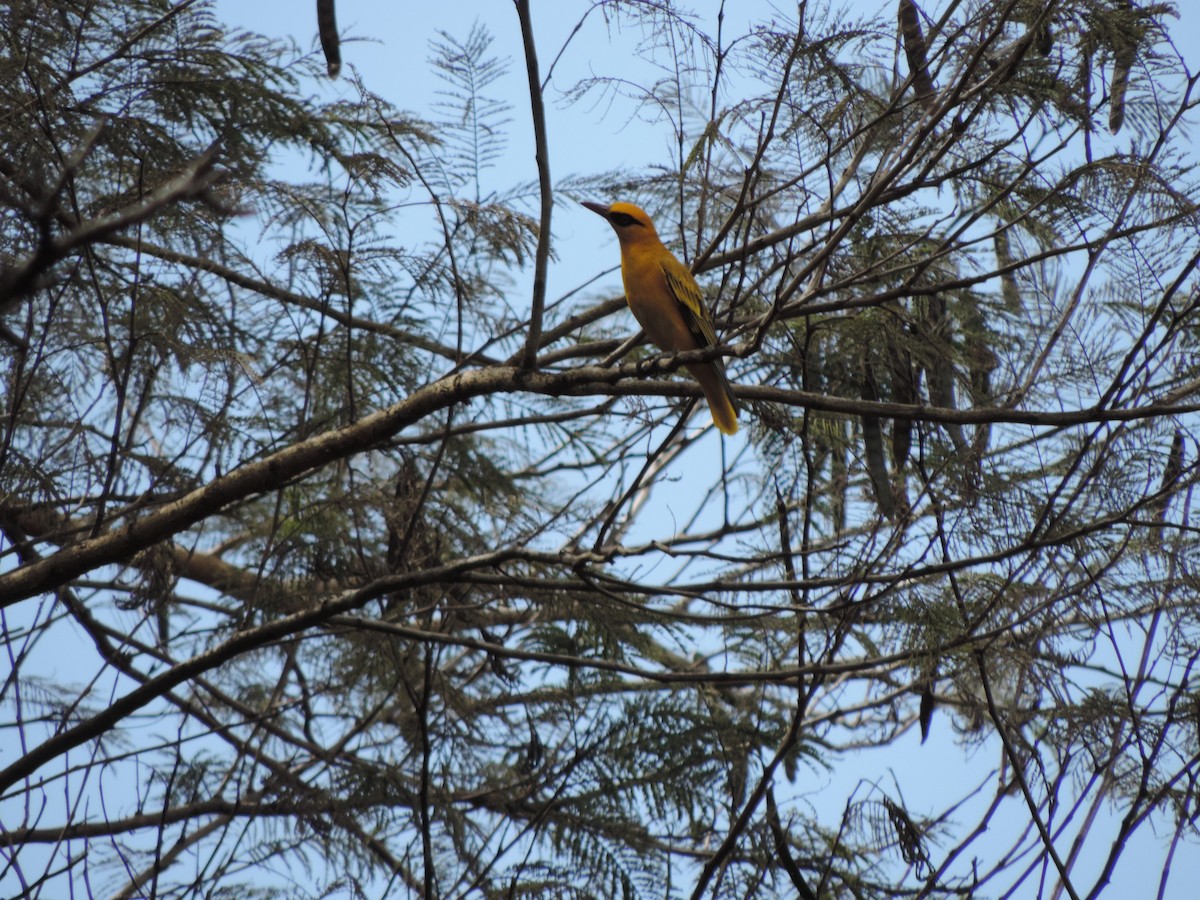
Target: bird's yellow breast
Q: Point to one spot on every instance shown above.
(651, 301)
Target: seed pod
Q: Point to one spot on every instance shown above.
(330, 42)
(1124, 53)
(1009, 289)
(915, 51)
(1043, 39)
(904, 390)
(873, 448)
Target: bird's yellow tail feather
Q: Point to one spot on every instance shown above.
(720, 397)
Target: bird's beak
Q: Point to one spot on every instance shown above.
(597, 208)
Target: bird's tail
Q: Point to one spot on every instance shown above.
(721, 402)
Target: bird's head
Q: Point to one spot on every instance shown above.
(630, 222)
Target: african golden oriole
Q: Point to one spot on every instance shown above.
(667, 303)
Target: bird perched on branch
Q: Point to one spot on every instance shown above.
(668, 304)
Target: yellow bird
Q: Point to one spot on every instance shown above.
(666, 301)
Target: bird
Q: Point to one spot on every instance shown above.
(665, 299)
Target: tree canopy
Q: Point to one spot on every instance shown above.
(344, 551)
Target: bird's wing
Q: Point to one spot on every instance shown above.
(687, 294)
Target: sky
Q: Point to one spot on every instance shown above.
(388, 45)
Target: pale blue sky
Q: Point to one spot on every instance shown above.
(393, 60)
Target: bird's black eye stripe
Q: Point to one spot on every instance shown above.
(622, 220)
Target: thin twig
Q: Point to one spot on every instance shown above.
(545, 191)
